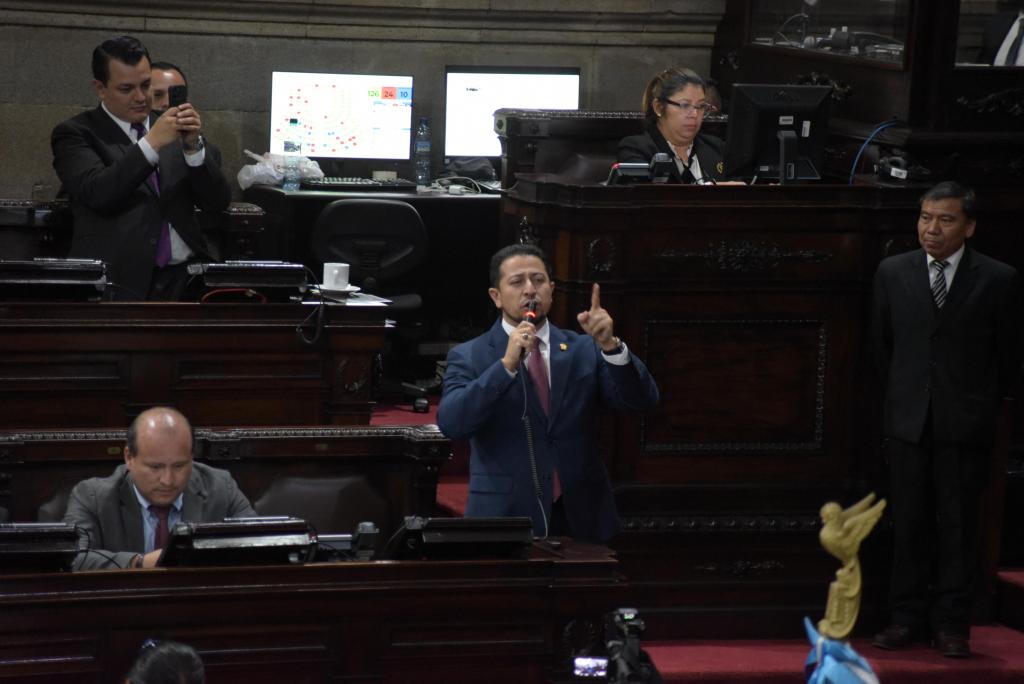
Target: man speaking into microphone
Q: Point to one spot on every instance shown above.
(527, 394)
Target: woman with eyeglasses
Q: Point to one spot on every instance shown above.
(675, 103)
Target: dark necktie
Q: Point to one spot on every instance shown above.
(163, 244)
(539, 376)
(1014, 51)
(161, 532)
(939, 282)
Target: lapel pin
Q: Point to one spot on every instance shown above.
(563, 346)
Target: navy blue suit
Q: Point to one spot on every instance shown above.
(482, 402)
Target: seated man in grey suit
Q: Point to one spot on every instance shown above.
(125, 518)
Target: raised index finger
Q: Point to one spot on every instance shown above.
(595, 297)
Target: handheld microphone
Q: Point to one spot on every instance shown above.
(530, 315)
(531, 311)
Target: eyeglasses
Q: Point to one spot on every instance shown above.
(702, 109)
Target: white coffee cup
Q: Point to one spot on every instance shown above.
(335, 276)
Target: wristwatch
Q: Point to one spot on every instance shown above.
(200, 144)
(619, 348)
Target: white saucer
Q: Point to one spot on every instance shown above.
(350, 288)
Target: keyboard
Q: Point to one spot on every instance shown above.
(346, 184)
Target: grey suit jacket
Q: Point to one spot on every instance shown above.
(109, 518)
(956, 363)
(117, 215)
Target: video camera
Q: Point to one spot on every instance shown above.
(625, 661)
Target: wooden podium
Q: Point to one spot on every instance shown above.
(750, 307)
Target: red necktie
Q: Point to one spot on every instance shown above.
(161, 532)
(163, 244)
(539, 376)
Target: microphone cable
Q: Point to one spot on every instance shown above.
(531, 454)
(878, 129)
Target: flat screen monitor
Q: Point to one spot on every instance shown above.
(472, 94)
(33, 547)
(341, 116)
(271, 540)
(772, 125)
(459, 538)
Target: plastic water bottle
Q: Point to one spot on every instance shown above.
(421, 153)
(292, 152)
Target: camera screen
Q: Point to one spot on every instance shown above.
(590, 667)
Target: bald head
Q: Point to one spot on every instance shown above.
(158, 421)
(159, 454)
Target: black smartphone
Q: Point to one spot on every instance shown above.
(177, 95)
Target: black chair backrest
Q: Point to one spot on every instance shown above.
(381, 240)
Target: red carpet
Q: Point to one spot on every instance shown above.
(998, 650)
(998, 658)
(452, 487)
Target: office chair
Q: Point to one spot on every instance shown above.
(330, 504)
(382, 241)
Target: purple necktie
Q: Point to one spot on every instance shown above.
(163, 245)
(161, 532)
(539, 376)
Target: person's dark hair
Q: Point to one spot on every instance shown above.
(167, 662)
(123, 48)
(662, 85)
(509, 251)
(132, 438)
(167, 66)
(953, 190)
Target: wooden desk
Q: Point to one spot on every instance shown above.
(98, 365)
(408, 621)
(462, 232)
(391, 471)
(750, 307)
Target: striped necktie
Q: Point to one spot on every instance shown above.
(939, 282)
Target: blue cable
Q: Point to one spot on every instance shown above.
(878, 129)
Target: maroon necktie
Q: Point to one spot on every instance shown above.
(539, 376)
(163, 245)
(161, 532)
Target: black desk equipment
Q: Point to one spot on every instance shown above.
(47, 279)
(34, 547)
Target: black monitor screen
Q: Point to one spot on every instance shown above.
(766, 117)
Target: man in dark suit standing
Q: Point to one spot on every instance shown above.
(946, 329)
(125, 519)
(527, 396)
(134, 179)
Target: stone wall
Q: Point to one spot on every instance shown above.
(229, 49)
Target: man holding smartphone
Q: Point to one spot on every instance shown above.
(134, 178)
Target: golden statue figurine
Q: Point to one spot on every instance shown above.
(842, 531)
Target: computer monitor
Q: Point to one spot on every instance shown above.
(773, 125)
(341, 116)
(35, 547)
(472, 94)
(269, 540)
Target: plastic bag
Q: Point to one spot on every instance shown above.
(269, 170)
